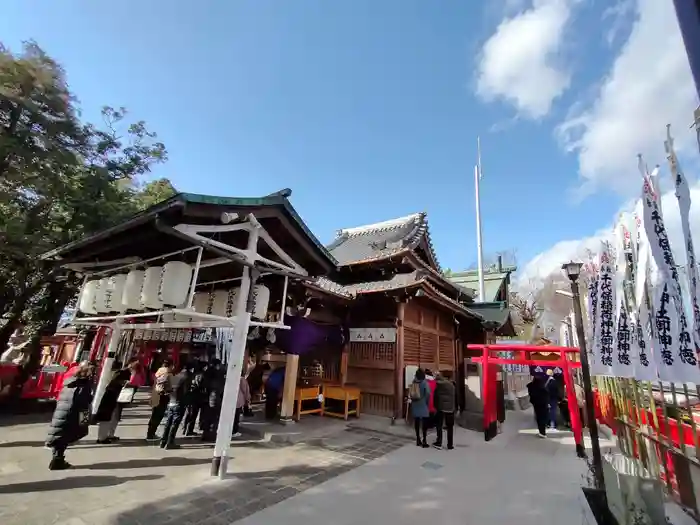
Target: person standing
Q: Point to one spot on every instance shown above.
(241, 403)
(214, 380)
(71, 417)
(540, 404)
(445, 395)
(179, 390)
(197, 398)
(553, 392)
(109, 411)
(419, 395)
(273, 391)
(160, 397)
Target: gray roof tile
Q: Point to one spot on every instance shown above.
(381, 240)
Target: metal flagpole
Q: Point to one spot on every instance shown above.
(479, 245)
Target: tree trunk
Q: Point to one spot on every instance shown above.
(58, 294)
(13, 322)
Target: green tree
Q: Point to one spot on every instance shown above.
(154, 192)
(60, 179)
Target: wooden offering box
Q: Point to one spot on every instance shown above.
(306, 393)
(345, 394)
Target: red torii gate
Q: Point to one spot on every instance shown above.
(522, 356)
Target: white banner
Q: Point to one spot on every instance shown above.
(624, 347)
(691, 272)
(673, 348)
(605, 319)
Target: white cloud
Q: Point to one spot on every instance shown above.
(648, 86)
(549, 262)
(520, 62)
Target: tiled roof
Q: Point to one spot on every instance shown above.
(395, 282)
(381, 240)
(492, 283)
(497, 313)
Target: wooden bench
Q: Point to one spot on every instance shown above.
(344, 394)
(306, 393)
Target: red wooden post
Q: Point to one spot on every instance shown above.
(485, 389)
(573, 407)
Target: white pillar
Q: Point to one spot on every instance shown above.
(233, 380)
(106, 372)
(219, 462)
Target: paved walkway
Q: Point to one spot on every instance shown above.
(517, 478)
(354, 476)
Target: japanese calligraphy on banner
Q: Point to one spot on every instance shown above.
(674, 350)
(683, 197)
(624, 345)
(602, 361)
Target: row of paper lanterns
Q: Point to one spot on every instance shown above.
(162, 287)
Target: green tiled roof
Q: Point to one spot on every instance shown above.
(492, 281)
(498, 313)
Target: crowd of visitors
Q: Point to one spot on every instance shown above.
(432, 401)
(192, 394)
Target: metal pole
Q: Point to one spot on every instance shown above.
(588, 390)
(479, 245)
(688, 14)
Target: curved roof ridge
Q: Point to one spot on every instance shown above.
(391, 224)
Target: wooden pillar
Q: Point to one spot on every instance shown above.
(290, 386)
(344, 364)
(399, 363)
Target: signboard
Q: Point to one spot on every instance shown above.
(509, 354)
(372, 335)
(202, 335)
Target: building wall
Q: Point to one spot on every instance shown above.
(429, 337)
(372, 366)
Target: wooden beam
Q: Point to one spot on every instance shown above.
(398, 372)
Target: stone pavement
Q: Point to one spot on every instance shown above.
(353, 476)
(132, 482)
(517, 478)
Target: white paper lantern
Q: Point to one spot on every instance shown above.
(131, 296)
(175, 283)
(114, 292)
(261, 301)
(202, 302)
(224, 302)
(87, 298)
(101, 296)
(151, 284)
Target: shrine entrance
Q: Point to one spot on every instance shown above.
(559, 358)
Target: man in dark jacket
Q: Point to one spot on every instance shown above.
(214, 381)
(552, 388)
(540, 403)
(179, 391)
(70, 421)
(196, 399)
(444, 399)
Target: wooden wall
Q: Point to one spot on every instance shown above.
(429, 337)
(371, 367)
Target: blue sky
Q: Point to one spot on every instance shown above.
(368, 109)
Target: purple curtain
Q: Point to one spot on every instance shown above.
(305, 335)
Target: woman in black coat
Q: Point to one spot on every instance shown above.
(109, 411)
(70, 421)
